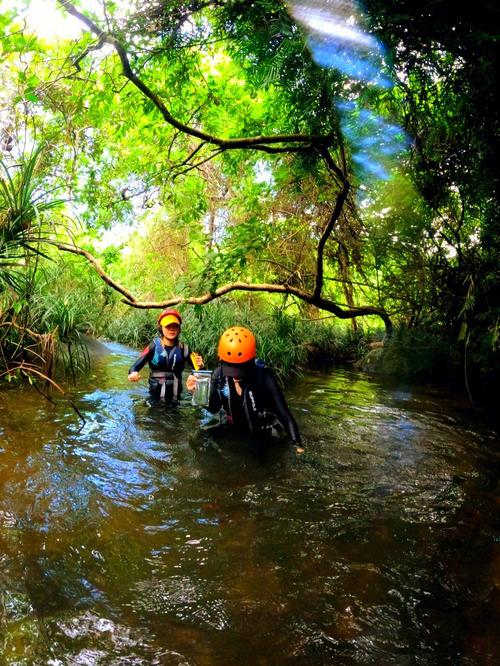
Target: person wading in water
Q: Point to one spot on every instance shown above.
(167, 358)
(246, 391)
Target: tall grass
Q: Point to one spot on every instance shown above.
(130, 326)
(65, 319)
(287, 342)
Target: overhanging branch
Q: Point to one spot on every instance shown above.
(327, 231)
(262, 142)
(129, 297)
(274, 143)
(284, 289)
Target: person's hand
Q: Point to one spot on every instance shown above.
(198, 359)
(134, 377)
(191, 383)
(298, 448)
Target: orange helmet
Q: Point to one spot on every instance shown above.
(237, 345)
(169, 317)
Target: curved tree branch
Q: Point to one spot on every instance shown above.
(339, 204)
(275, 143)
(311, 298)
(262, 143)
(65, 247)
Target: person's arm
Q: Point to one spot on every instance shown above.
(147, 355)
(280, 408)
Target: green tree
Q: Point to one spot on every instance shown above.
(227, 111)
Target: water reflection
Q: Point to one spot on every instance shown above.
(140, 539)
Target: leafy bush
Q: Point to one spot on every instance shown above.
(422, 354)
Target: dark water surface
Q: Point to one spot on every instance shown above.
(140, 540)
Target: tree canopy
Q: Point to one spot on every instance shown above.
(342, 156)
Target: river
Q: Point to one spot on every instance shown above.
(138, 538)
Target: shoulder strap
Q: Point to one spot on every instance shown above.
(184, 347)
(260, 367)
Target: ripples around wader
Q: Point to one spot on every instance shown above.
(141, 539)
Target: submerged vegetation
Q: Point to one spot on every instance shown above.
(218, 157)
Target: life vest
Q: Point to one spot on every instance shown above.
(166, 368)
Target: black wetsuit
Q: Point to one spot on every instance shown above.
(166, 365)
(261, 408)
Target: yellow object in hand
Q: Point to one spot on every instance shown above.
(192, 356)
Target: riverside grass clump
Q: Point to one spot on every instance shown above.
(131, 327)
(65, 319)
(278, 335)
(37, 332)
(287, 342)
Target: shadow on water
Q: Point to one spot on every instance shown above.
(145, 539)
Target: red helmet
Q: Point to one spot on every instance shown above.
(237, 345)
(169, 317)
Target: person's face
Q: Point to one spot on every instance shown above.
(171, 331)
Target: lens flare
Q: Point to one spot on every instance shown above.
(339, 38)
(375, 142)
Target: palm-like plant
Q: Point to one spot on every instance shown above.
(23, 205)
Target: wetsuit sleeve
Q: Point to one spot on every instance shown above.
(146, 356)
(279, 407)
(214, 401)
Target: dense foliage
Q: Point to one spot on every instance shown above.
(210, 140)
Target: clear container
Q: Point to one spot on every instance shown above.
(201, 393)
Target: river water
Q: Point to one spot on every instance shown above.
(141, 539)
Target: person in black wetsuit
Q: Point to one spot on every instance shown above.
(246, 390)
(167, 358)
